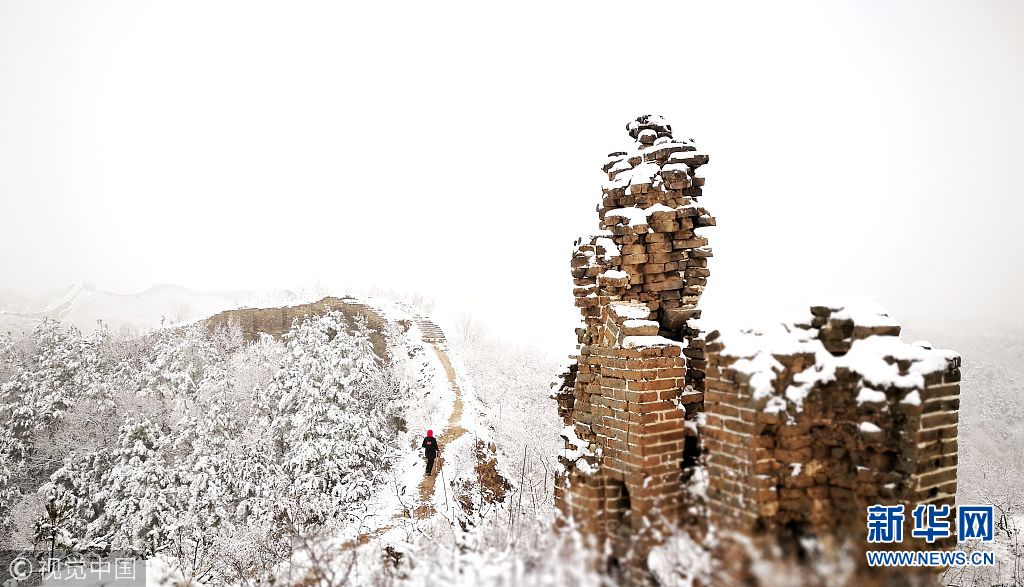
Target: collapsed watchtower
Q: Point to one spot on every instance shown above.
(776, 436)
(639, 372)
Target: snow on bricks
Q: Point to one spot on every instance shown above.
(639, 372)
(783, 435)
(808, 424)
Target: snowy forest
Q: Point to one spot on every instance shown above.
(191, 443)
(224, 462)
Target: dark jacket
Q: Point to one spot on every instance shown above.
(430, 445)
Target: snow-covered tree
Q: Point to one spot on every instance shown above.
(330, 414)
(44, 376)
(213, 452)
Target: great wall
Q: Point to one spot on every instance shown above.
(758, 443)
(276, 322)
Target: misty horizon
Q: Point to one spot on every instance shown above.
(258, 166)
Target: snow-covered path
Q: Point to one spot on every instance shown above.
(452, 432)
(393, 515)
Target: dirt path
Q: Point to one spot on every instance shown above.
(453, 432)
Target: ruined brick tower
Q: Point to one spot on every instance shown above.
(775, 436)
(640, 365)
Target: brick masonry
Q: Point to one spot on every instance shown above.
(808, 424)
(781, 433)
(639, 375)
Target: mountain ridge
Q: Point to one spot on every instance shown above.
(165, 304)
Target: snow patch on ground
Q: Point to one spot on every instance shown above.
(680, 562)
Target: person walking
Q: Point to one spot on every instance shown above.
(430, 449)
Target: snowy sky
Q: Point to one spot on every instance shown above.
(455, 149)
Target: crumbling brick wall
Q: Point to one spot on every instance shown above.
(808, 424)
(781, 434)
(277, 321)
(639, 373)
(806, 430)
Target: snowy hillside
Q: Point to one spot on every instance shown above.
(225, 462)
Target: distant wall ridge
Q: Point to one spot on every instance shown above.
(276, 322)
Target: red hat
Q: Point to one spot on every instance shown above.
(430, 432)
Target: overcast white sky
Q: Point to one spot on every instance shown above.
(455, 148)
